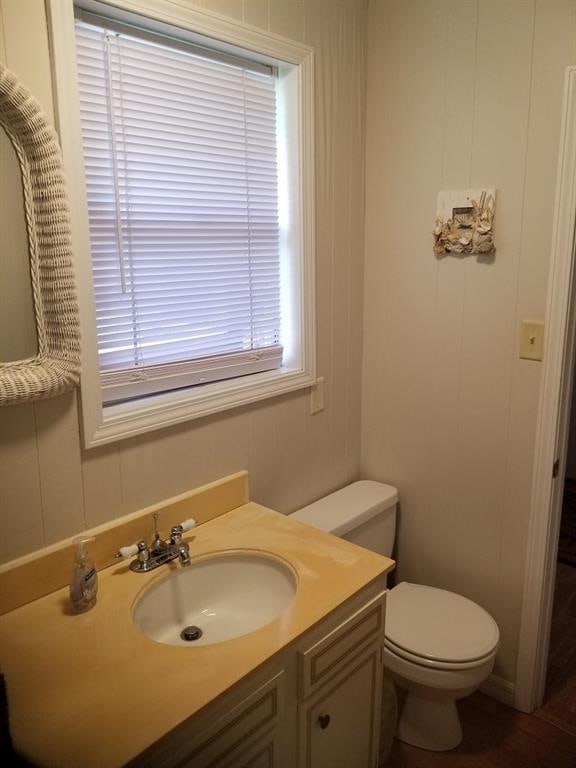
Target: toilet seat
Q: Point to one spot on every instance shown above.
(433, 663)
(439, 629)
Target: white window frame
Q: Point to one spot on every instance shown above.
(105, 424)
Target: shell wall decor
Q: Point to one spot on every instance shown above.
(465, 222)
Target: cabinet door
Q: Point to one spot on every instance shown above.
(338, 649)
(263, 754)
(339, 726)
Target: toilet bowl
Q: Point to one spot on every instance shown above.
(439, 646)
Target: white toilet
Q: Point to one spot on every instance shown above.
(439, 646)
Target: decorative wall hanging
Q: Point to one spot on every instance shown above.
(56, 367)
(465, 222)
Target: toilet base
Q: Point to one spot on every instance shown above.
(429, 722)
(428, 717)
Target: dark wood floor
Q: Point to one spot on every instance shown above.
(559, 706)
(496, 736)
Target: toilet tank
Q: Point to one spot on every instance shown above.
(363, 513)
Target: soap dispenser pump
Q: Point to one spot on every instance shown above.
(84, 579)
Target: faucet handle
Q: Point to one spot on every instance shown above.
(176, 534)
(177, 530)
(143, 552)
(125, 552)
(140, 549)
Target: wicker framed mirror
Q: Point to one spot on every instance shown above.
(56, 366)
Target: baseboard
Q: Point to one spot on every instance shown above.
(500, 689)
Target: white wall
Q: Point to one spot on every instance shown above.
(461, 94)
(51, 488)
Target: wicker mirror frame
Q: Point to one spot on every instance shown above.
(56, 367)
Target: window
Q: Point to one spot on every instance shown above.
(180, 157)
(196, 214)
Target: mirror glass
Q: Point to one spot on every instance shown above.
(39, 327)
(18, 339)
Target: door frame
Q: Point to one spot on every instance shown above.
(552, 424)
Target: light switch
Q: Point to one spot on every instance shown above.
(317, 396)
(532, 340)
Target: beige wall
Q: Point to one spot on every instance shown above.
(51, 488)
(461, 94)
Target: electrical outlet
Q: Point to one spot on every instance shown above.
(532, 340)
(317, 396)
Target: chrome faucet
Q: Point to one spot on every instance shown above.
(159, 552)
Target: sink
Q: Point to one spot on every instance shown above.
(218, 597)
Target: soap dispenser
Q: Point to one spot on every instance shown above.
(84, 578)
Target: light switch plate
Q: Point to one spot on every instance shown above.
(532, 340)
(317, 396)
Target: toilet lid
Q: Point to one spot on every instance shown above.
(439, 625)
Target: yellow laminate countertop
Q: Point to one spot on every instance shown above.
(91, 690)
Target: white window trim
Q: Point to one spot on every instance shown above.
(114, 422)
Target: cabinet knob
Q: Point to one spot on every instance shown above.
(323, 721)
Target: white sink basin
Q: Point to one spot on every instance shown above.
(225, 595)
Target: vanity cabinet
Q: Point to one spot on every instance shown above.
(317, 704)
(264, 753)
(243, 732)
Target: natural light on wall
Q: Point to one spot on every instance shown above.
(196, 213)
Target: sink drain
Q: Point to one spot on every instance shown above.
(191, 633)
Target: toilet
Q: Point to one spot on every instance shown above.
(439, 645)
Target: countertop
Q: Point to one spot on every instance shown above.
(92, 690)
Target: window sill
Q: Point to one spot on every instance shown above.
(123, 420)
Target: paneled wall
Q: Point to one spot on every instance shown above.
(461, 94)
(50, 488)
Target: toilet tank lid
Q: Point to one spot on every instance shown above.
(343, 510)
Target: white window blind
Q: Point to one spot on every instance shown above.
(180, 153)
